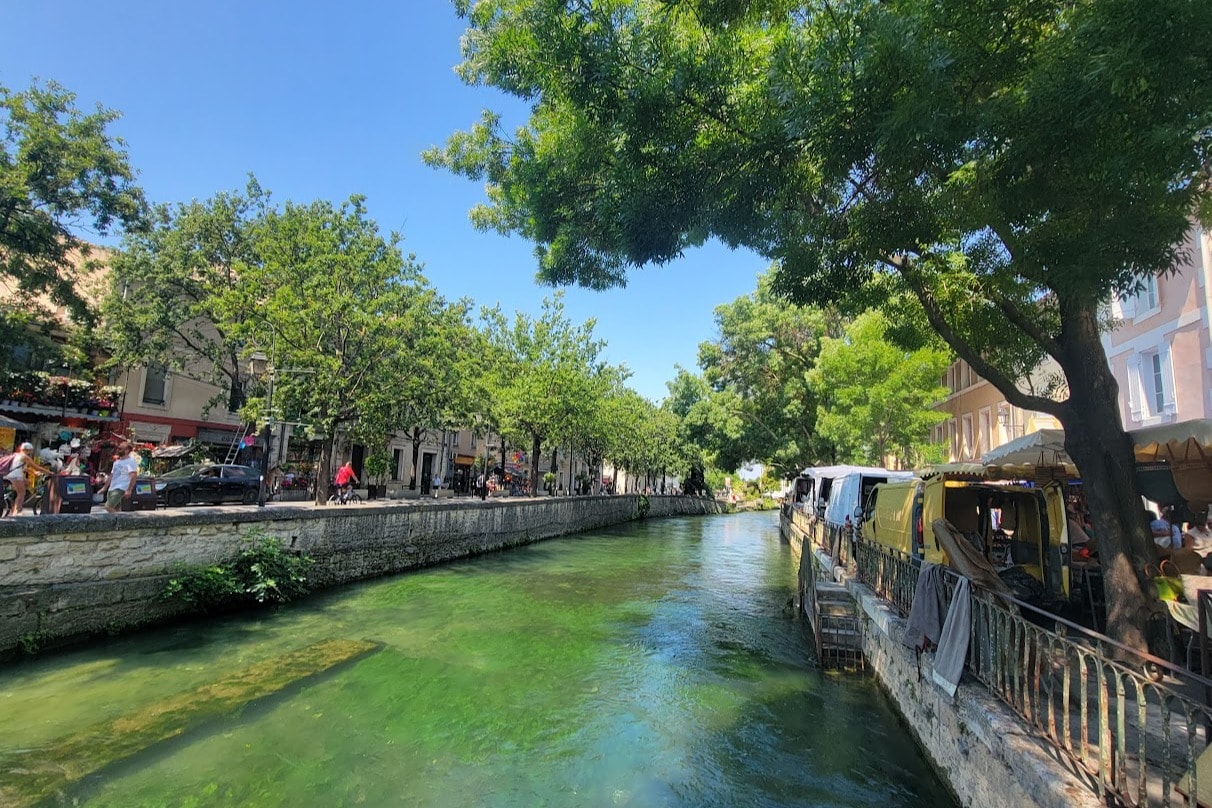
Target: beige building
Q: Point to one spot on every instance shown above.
(1159, 349)
(980, 418)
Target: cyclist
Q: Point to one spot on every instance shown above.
(345, 480)
(23, 464)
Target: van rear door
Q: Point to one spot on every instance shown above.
(1058, 539)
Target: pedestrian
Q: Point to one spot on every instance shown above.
(22, 462)
(121, 478)
(482, 486)
(437, 483)
(1198, 535)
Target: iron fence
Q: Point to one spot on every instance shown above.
(1135, 725)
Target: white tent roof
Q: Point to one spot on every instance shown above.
(1048, 444)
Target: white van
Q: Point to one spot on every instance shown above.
(849, 493)
(817, 484)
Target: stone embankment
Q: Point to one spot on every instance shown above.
(978, 746)
(66, 578)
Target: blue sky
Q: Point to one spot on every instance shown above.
(327, 100)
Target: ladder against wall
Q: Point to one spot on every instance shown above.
(237, 442)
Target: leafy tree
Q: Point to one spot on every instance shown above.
(434, 393)
(1008, 166)
(359, 340)
(759, 368)
(631, 412)
(338, 305)
(61, 172)
(688, 400)
(876, 396)
(61, 175)
(167, 287)
(540, 374)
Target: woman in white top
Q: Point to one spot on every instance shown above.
(1198, 536)
(22, 460)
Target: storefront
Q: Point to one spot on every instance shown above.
(462, 474)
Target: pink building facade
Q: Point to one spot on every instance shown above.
(1161, 353)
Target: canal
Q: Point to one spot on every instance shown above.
(652, 664)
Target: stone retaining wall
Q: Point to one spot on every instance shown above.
(977, 745)
(65, 578)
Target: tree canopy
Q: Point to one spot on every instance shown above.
(358, 340)
(61, 172)
(544, 375)
(1006, 165)
(759, 371)
(876, 397)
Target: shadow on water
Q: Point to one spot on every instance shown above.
(647, 665)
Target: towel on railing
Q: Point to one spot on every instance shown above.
(929, 608)
(953, 644)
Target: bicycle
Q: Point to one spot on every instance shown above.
(344, 495)
(33, 499)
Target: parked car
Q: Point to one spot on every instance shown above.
(209, 482)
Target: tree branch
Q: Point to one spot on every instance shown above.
(991, 374)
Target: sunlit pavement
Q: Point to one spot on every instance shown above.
(409, 502)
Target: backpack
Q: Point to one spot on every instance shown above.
(6, 463)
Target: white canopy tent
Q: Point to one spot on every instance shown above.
(1043, 448)
(1182, 450)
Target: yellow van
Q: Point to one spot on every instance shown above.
(1011, 524)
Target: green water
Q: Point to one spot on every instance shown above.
(649, 665)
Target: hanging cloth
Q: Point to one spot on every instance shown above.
(953, 644)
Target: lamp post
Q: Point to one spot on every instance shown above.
(261, 366)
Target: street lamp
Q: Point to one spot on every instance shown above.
(261, 366)
(67, 386)
(1005, 417)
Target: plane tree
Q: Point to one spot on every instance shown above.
(62, 174)
(342, 311)
(166, 284)
(1007, 166)
(759, 370)
(541, 370)
(358, 340)
(876, 397)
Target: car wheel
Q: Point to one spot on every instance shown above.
(250, 496)
(178, 497)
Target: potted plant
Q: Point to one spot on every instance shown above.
(378, 463)
(549, 482)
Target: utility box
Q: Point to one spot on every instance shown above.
(144, 496)
(74, 493)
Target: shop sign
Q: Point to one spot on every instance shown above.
(211, 435)
(150, 433)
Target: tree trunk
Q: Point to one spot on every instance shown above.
(416, 455)
(324, 470)
(1096, 441)
(570, 462)
(536, 482)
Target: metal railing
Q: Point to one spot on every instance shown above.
(1133, 724)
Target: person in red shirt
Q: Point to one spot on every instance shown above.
(346, 477)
